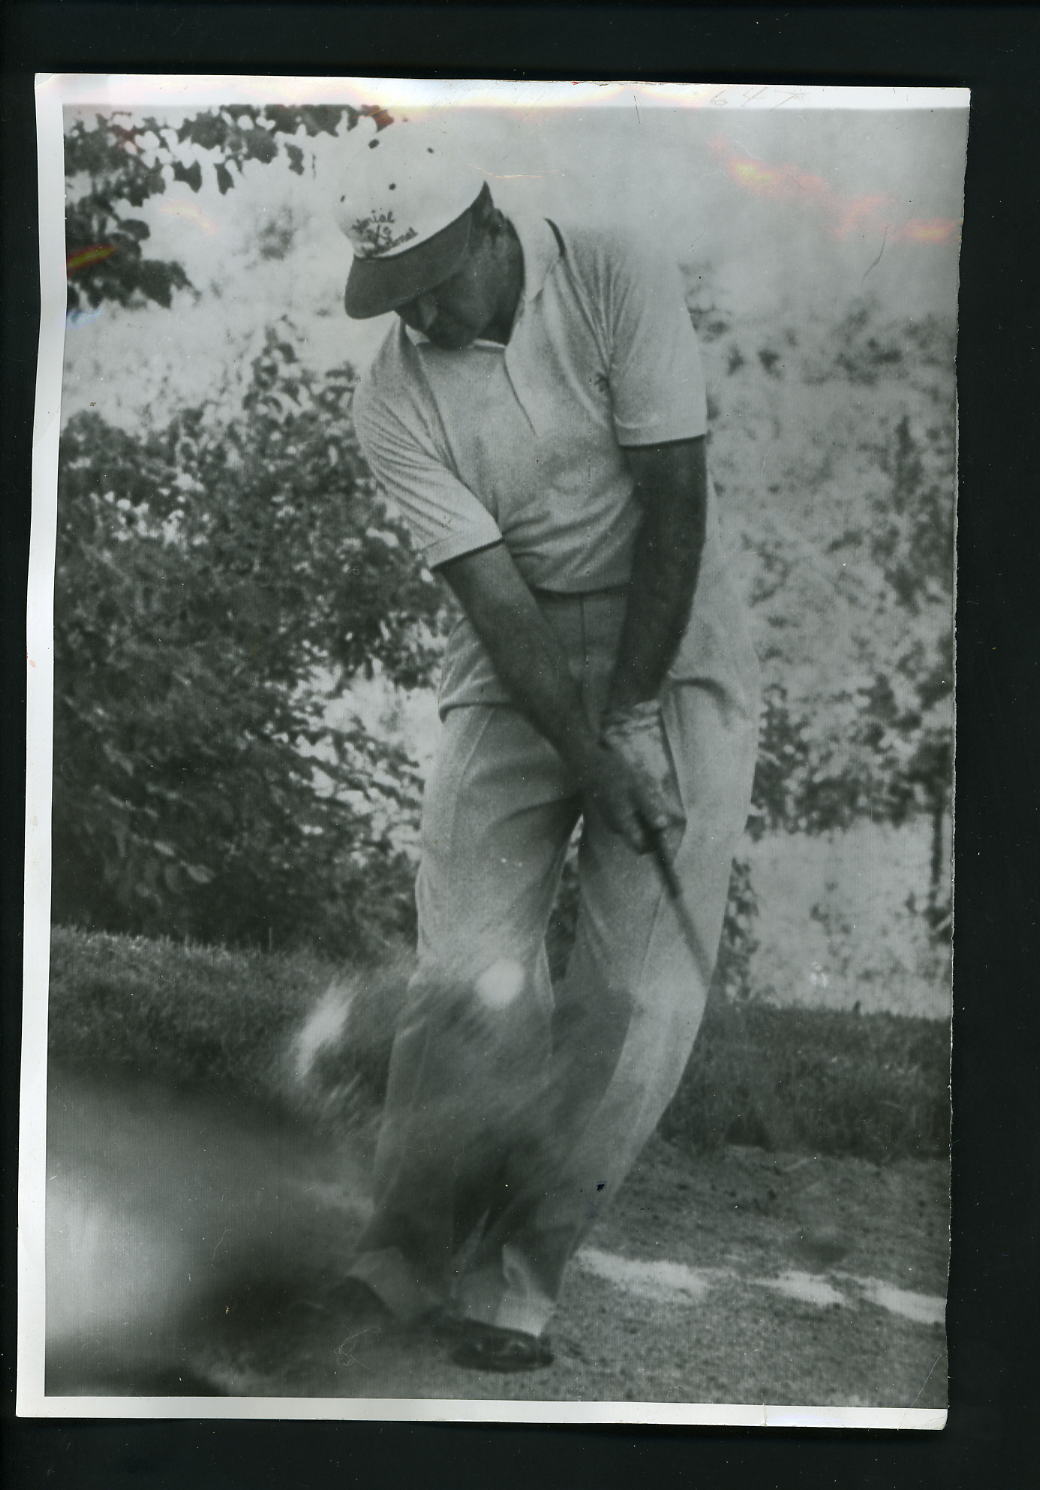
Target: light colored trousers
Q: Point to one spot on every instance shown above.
(513, 1110)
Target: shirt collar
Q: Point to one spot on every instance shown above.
(540, 250)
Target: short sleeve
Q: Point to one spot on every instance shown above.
(656, 377)
(444, 517)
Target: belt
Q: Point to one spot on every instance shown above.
(606, 590)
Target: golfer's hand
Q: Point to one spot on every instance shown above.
(636, 736)
(626, 799)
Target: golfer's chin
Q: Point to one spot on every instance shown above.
(452, 338)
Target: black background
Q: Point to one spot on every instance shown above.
(994, 1329)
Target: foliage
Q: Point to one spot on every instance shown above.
(116, 162)
(851, 567)
(738, 944)
(891, 958)
(217, 581)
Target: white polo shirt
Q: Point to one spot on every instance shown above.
(523, 442)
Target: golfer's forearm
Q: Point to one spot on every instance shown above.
(526, 656)
(531, 666)
(666, 565)
(664, 578)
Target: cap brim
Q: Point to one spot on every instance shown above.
(376, 286)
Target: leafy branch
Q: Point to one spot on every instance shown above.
(117, 162)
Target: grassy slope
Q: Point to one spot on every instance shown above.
(202, 1016)
(818, 1080)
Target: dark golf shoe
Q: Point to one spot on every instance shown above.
(488, 1347)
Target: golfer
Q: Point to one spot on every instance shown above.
(537, 414)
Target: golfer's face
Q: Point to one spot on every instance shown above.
(459, 309)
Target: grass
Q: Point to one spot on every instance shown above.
(192, 1015)
(815, 1080)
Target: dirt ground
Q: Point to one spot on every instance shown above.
(192, 1251)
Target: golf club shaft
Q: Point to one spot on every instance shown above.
(675, 894)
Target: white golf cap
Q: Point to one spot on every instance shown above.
(405, 206)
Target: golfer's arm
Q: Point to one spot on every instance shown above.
(671, 486)
(527, 657)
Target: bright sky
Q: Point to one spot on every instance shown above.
(787, 210)
(783, 205)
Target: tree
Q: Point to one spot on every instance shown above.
(118, 161)
(853, 572)
(218, 579)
